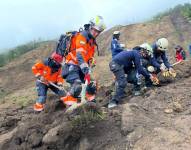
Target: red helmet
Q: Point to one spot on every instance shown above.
(58, 58)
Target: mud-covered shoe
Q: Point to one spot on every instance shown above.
(112, 104)
(69, 100)
(38, 107)
(137, 93)
(147, 88)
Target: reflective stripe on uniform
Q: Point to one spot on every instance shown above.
(81, 50)
(72, 59)
(37, 74)
(72, 56)
(71, 62)
(83, 65)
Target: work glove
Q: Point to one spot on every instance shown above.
(166, 73)
(163, 68)
(154, 79)
(87, 77)
(151, 69)
(172, 72)
(122, 45)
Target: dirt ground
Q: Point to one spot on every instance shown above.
(159, 119)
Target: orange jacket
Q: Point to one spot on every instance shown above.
(43, 70)
(82, 45)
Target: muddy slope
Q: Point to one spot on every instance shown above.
(159, 119)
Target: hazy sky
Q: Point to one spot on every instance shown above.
(25, 20)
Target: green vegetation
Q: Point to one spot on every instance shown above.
(7, 57)
(159, 16)
(184, 9)
(2, 94)
(87, 116)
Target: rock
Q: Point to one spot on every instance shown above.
(162, 139)
(10, 121)
(84, 144)
(127, 120)
(34, 138)
(168, 110)
(177, 107)
(7, 136)
(115, 113)
(51, 135)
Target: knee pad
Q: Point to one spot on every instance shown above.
(76, 88)
(92, 88)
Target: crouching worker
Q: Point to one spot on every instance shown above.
(47, 72)
(180, 53)
(76, 69)
(148, 62)
(128, 62)
(159, 53)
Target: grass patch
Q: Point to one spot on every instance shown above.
(2, 95)
(23, 101)
(86, 116)
(184, 10)
(16, 52)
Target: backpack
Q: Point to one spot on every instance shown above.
(183, 55)
(64, 43)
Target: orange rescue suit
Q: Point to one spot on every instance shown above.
(41, 69)
(80, 44)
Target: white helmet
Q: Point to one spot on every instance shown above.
(162, 44)
(98, 23)
(116, 33)
(151, 69)
(147, 47)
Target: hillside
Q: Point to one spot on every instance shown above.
(159, 119)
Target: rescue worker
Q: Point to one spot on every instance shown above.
(46, 72)
(159, 53)
(180, 53)
(127, 62)
(147, 62)
(116, 47)
(76, 69)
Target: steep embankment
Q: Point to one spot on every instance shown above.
(159, 119)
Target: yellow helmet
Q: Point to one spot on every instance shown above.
(98, 23)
